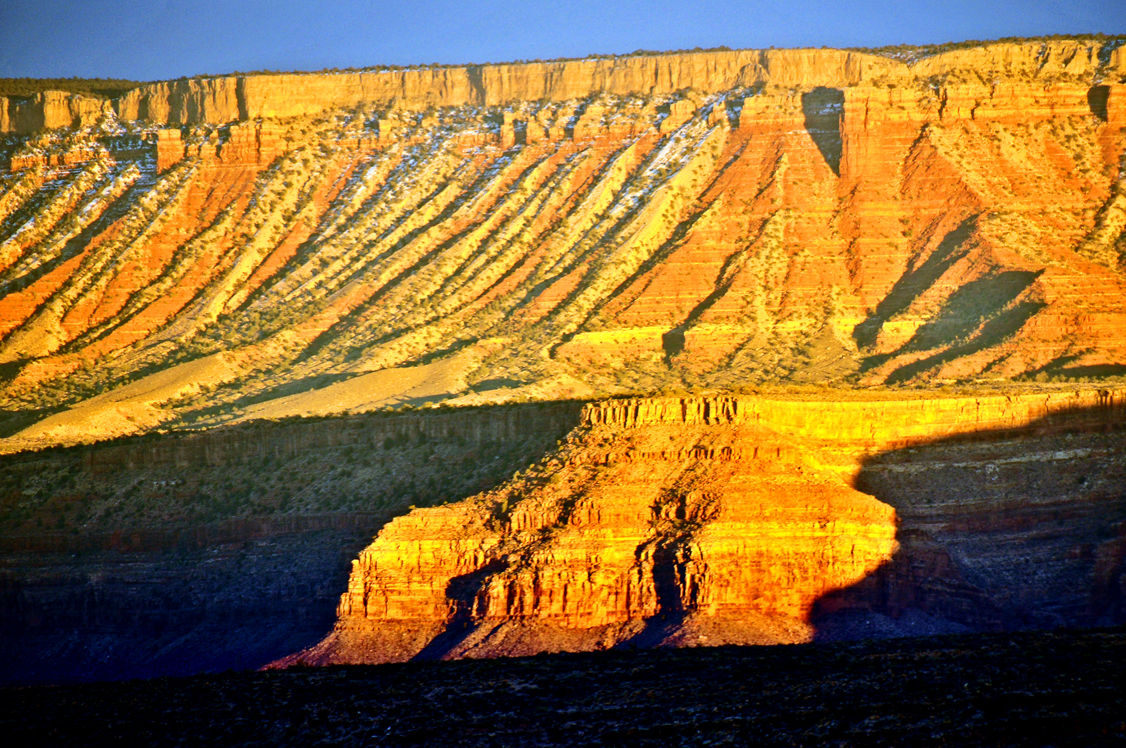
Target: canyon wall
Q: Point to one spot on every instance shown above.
(224, 99)
(689, 222)
(844, 433)
(50, 110)
(221, 100)
(653, 522)
(703, 222)
(708, 521)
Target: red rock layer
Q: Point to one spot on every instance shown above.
(675, 532)
(714, 520)
(882, 232)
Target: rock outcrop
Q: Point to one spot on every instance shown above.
(51, 110)
(668, 532)
(716, 520)
(222, 99)
(225, 99)
(654, 522)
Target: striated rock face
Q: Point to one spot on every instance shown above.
(693, 222)
(50, 110)
(674, 532)
(224, 99)
(710, 521)
(213, 100)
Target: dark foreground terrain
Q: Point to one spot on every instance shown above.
(1064, 688)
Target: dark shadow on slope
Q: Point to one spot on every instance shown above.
(915, 282)
(497, 383)
(246, 584)
(823, 108)
(970, 305)
(978, 316)
(1061, 369)
(999, 530)
(676, 578)
(992, 333)
(1097, 98)
(668, 583)
(673, 341)
(14, 421)
(462, 592)
(9, 369)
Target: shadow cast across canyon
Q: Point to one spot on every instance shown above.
(1097, 99)
(462, 592)
(1011, 529)
(822, 109)
(230, 581)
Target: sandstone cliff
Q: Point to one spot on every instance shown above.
(224, 99)
(711, 521)
(747, 217)
(670, 533)
(221, 100)
(50, 110)
(656, 521)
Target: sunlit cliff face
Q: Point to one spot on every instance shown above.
(715, 521)
(563, 230)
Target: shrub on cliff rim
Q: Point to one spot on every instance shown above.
(101, 88)
(913, 52)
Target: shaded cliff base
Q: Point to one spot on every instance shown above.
(1029, 689)
(180, 554)
(124, 614)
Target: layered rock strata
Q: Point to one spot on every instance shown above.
(668, 533)
(223, 99)
(710, 521)
(50, 110)
(856, 226)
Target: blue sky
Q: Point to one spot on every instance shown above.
(159, 39)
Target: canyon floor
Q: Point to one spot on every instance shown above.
(1032, 689)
